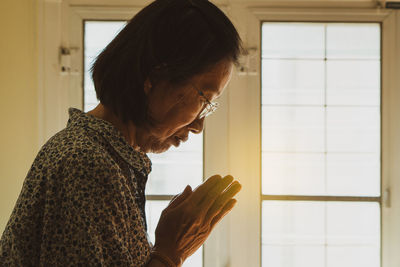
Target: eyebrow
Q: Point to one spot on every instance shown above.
(206, 91)
(208, 87)
(211, 100)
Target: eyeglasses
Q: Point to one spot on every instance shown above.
(209, 107)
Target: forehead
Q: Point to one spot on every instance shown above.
(215, 79)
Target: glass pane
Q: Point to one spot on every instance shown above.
(293, 256)
(97, 36)
(293, 40)
(353, 224)
(293, 173)
(293, 82)
(353, 234)
(153, 213)
(353, 129)
(357, 40)
(325, 229)
(293, 129)
(353, 174)
(351, 256)
(293, 223)
(348, 174)
(353, 82)
(174, 169)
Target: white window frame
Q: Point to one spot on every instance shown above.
(245, 145)
(232, 137)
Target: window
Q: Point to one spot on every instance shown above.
(321, 122)
(172, 170)
(97, 36)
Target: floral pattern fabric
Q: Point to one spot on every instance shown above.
(82, 202)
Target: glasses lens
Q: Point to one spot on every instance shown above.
(203, 112)
(209, 108)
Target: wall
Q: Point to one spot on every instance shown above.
(18, 99)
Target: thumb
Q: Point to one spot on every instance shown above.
(178, 199)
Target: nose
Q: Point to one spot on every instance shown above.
(196, 126)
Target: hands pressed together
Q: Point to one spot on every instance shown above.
(191, 216)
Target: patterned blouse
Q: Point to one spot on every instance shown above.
(82, 202)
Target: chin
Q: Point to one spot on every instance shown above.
(160, 148)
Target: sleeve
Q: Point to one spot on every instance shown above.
(92, 218)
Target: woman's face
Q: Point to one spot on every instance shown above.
(175, 110)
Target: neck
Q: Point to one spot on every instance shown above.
(128, 130)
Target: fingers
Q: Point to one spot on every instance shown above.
(203, 189)
(225, 210)
(178, 199)
(210, 197)
(222, 200)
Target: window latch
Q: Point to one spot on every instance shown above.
(248, 63)
(67, 60)
(386, 198)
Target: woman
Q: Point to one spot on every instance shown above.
(82, 202)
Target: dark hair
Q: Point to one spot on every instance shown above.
(169, 40)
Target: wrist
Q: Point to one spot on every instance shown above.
(166, 259)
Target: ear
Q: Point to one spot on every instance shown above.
(147, 86)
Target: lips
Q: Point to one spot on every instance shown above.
(179, 139)
(184, 139)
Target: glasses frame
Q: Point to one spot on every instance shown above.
(209, 107)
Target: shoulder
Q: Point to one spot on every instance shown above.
(75, 146)
(74, 157)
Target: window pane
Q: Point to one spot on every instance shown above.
(353, 129)
(353, 82)
(325, 229)
(293, 40)
(293, 82)
(351, 256)
(353, 223)
(353, 174)
(347, 174)
(153, 213)
(328, 108)
(293, 223)
(293, 256)
(177, 167)
(290, 129)
(353, 234)
(293, 173)
(97, 36)
(353, 40)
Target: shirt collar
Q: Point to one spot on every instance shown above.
(137, 159)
